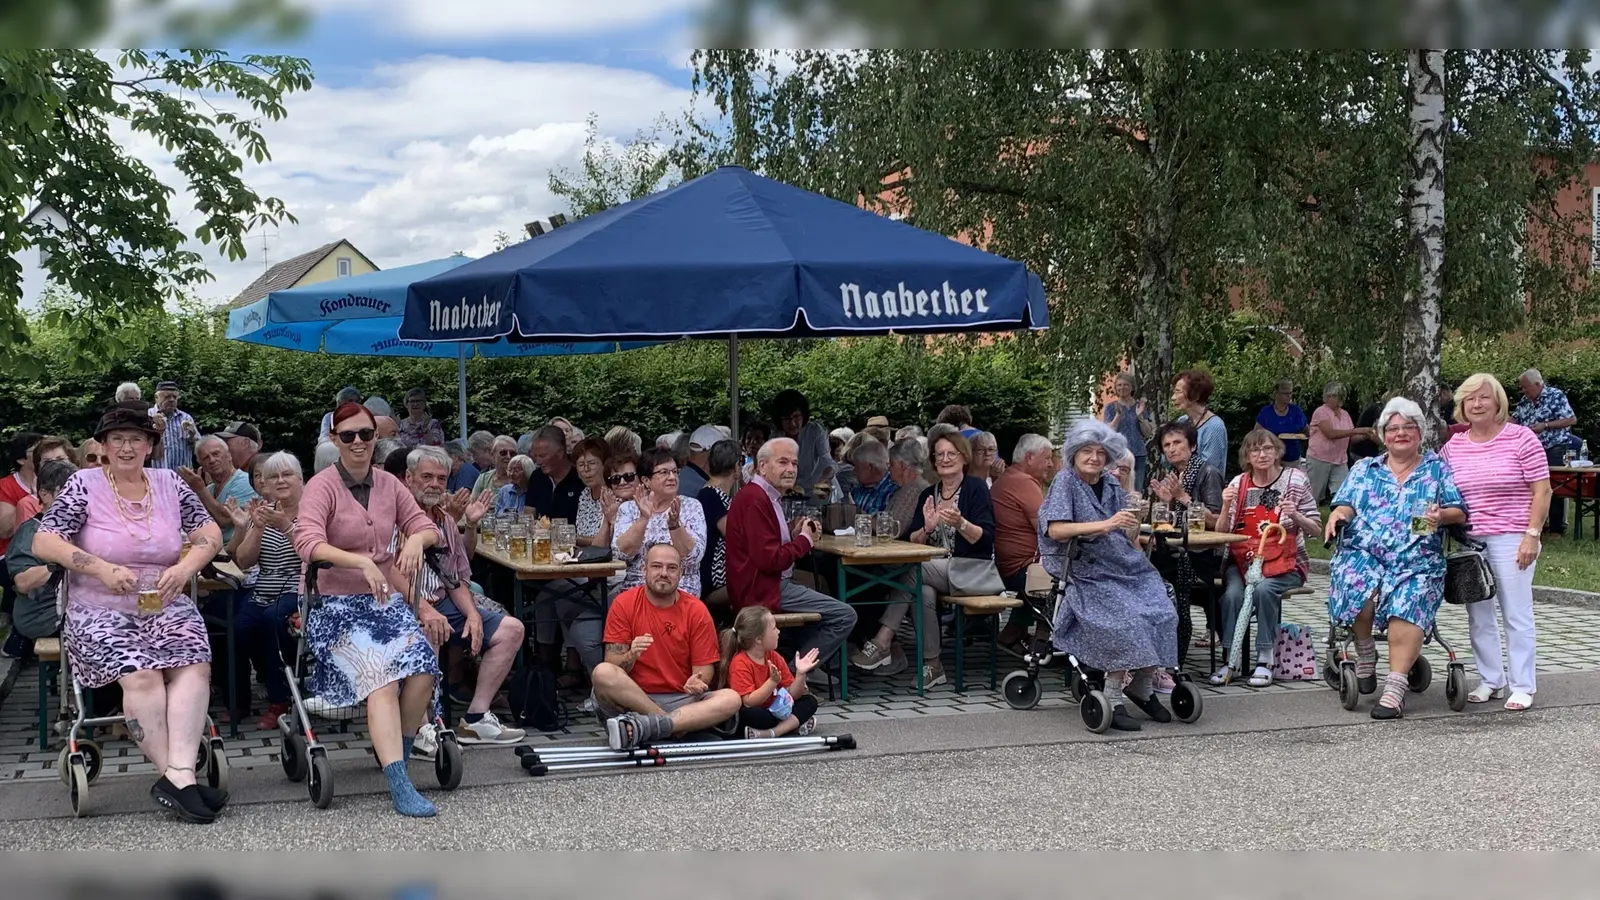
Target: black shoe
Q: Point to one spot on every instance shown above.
(1151, 706)
(184, 802)
(214, 799)
(1388, 712)
(1121, 721)
(1368, 685)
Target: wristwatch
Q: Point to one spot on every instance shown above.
(1533, 533)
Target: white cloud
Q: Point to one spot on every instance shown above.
(423, 158)
(517, 18)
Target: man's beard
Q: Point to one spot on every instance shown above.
(429, 500)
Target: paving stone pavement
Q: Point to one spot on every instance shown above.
(1569, 641)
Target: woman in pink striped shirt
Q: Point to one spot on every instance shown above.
(1501, 471)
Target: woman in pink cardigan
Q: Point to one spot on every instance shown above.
(367, 641)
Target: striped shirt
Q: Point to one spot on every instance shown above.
(1496, 477)
(176, 450)
(278, 567)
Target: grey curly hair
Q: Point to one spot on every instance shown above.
(1090, 432)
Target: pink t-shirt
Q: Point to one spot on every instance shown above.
(1325, 449)
(1496, 478)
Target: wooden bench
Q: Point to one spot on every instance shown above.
(48, 650)
(795, 620)
(979, 605)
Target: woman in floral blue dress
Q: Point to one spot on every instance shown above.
(1382, 568)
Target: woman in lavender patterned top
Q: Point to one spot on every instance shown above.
(660, 516)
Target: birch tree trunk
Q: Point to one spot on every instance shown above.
(1156, 302)
(1422, 317)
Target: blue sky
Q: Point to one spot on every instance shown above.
(433, 124)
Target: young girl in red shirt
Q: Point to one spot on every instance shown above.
(776, 702)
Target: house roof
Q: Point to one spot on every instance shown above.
(285, 274)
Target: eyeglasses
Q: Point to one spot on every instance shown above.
(622, 478)
(280, 476)
(665, 473)
(1265, 448)
(947, 455)
(125, 441)
(1399, 429)
(364, 435)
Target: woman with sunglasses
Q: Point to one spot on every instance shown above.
(659, 515)
(1390, 562)
(91, 454)
(368, 643)
(493, 479)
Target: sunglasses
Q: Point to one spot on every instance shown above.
(623, 478)
(91, 459)
(364, 435)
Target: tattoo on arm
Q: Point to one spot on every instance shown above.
(81, 561)
(621, 650)
(136, 731)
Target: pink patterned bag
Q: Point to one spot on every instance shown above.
(1294, 654)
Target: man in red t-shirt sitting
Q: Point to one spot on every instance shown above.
(661, 657)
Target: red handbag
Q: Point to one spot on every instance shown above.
(1278, 556)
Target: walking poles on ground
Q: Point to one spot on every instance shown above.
(555, 760)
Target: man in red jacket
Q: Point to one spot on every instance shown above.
(761, 553)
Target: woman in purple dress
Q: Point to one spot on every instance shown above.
(1115, 613)
(119, 532)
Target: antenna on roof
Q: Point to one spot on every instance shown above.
(265, 262)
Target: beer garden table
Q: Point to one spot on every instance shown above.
(880, 565)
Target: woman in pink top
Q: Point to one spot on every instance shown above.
(118, 531)
(1502, 473)
(1328, 450)
(367, 641)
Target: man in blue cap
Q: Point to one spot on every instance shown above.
(178, 430)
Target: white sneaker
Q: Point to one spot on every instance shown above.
(426, 746)
(322, 709)
(488, 730)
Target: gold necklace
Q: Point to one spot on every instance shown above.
(128, 511)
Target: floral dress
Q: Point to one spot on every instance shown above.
(421, 434)
(1379, 558)
(1115, 611)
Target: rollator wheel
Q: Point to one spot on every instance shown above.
(78, 784)
(293, 756)
(1330, 670)
(1421, 675)
(1021, 690)
(1075, 686)
(217, 770)
(63, 770)
(1455, 687)
(447, 764)
(1349, 687)
(319, 780)
(1187, 702)
(1096, 712)
(93, 758)
(202, 759)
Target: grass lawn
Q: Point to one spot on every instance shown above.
(1565, 563)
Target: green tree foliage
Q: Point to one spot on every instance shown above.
(611, 176)
(66, 120)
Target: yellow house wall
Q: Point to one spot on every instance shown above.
(328, 269)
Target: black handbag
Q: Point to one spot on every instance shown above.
(1467, 575)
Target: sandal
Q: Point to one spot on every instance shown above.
(1519, 701)
(1261, 677)
(1221, 677)
(1483, 694)
(756, 734)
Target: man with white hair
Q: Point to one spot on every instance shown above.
(347, 394)
(874, 487)
(1545, 411)
(228, 482)
(761, 552)
(1016, 497)
(493, 634)
(128, 391)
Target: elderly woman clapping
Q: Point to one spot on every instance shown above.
(1390, 562)
(1502, 471)
(513, 497)
(119, 531)
(1115, 613)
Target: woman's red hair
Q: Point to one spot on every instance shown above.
(346, 410)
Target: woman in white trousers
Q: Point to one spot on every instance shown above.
(1501, 471)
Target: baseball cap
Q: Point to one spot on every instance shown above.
(704, 437)
(240, 429)
(878, 422)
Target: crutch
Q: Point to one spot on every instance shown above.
(586, 753)
(663, 758)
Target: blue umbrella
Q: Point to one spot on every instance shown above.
(360, 316)
(730, 253)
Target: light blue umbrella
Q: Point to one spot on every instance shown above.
(360, 316)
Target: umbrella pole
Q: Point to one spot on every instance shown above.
(461, 387)
(733, 383)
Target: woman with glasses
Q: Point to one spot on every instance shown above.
(263, 532)
(91, 454)
(1390, 562)
(493, 479)
(119, 533)
(418, 428)
(1268, 491)
(368, 643)
(597, 505)
(659, 515)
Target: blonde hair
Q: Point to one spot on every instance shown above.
(1475, 383)
(1258, 437)
(748, 627)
